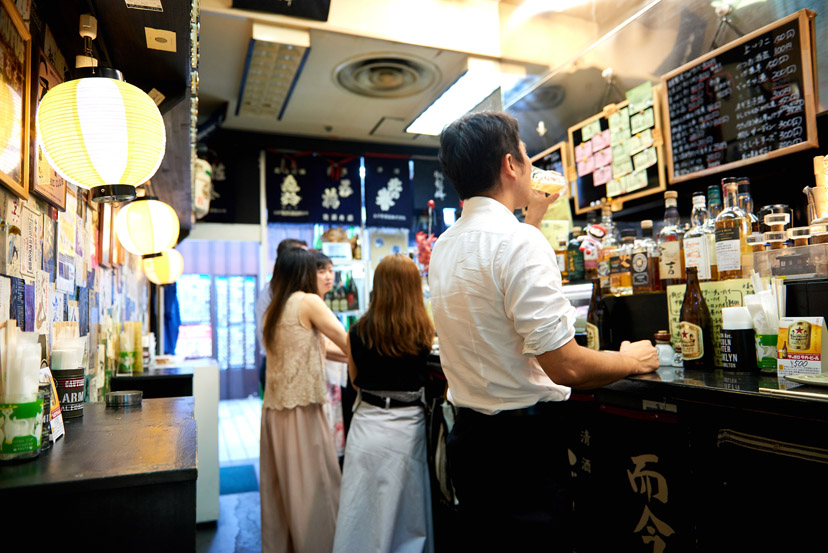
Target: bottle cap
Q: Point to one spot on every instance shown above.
(671, 194)
(698, 199)
(799, 232)
(755, 239)
(661, 336)
(777, 219)
(647, 223)
(736, 318)
(714, 192)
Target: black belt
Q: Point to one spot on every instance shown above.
(388, 402)
(538, 409)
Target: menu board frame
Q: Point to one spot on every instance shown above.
(808, 56)
(658, 170)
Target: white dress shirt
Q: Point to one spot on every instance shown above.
(498, 301)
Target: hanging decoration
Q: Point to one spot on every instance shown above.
(164, 267)
(99, 132)
(288, 187)
(337, 176)
(389, 198)
(147, 226)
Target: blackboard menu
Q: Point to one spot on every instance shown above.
(748, 101)
(618, 154)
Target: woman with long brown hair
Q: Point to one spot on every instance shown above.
(299, 470)
(386, 499)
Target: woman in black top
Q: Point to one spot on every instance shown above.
(385, 503)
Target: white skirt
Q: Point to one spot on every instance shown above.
(385, 504)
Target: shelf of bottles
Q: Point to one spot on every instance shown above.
(345, 298)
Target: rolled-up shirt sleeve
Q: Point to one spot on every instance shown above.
(533, 292)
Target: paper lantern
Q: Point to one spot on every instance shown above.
(101, 133)
(164, 267)
(147, 226)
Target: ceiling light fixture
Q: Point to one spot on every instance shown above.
(98, 132)
(275, 57)
(482, 78)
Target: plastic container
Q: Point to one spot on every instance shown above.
(70, 384)
(802, 262)
(22, 427)
(738, 343)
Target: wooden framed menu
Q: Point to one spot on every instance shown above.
(748, 101)
(618, 154)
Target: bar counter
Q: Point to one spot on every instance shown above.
(121, 478)
(698, 461)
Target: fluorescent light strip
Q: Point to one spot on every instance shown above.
(470, 89)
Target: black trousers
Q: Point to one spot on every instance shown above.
(511, 473)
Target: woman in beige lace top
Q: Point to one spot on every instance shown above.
(299, 472)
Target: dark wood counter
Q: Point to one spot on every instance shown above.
(157, 381)
(698, 461)
(125, 474)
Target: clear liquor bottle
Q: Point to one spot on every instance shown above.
(671, 262)
(645, 261)
(746, 203)
(732, 228)
(700, 242)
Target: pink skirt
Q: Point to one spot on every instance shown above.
(300, 481)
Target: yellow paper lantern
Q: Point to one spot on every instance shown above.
(102, 134)
(147, 226)
(164, 267)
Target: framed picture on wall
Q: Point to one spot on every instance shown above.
(47, 184)
(15, 57)
(105, 235)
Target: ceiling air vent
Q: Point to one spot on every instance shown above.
(386, 75)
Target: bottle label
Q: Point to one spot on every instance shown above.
(561, 259)
(641, 274)
(692, 343)
(728, 249)
(575, 262)
(593, 339)
(670, 261)
(697, 254)
(591, 259)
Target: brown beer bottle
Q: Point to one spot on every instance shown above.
(695, 326)
(596, 337)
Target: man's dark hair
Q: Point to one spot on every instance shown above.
(472, 148)
(290, 243)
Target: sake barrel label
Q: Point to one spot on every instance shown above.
(593, 338)
(692, 344)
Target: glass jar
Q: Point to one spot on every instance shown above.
(664, 348)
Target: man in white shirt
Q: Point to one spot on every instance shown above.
(263, 301)
(506, 343)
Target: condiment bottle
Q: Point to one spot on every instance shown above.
(664, 348)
